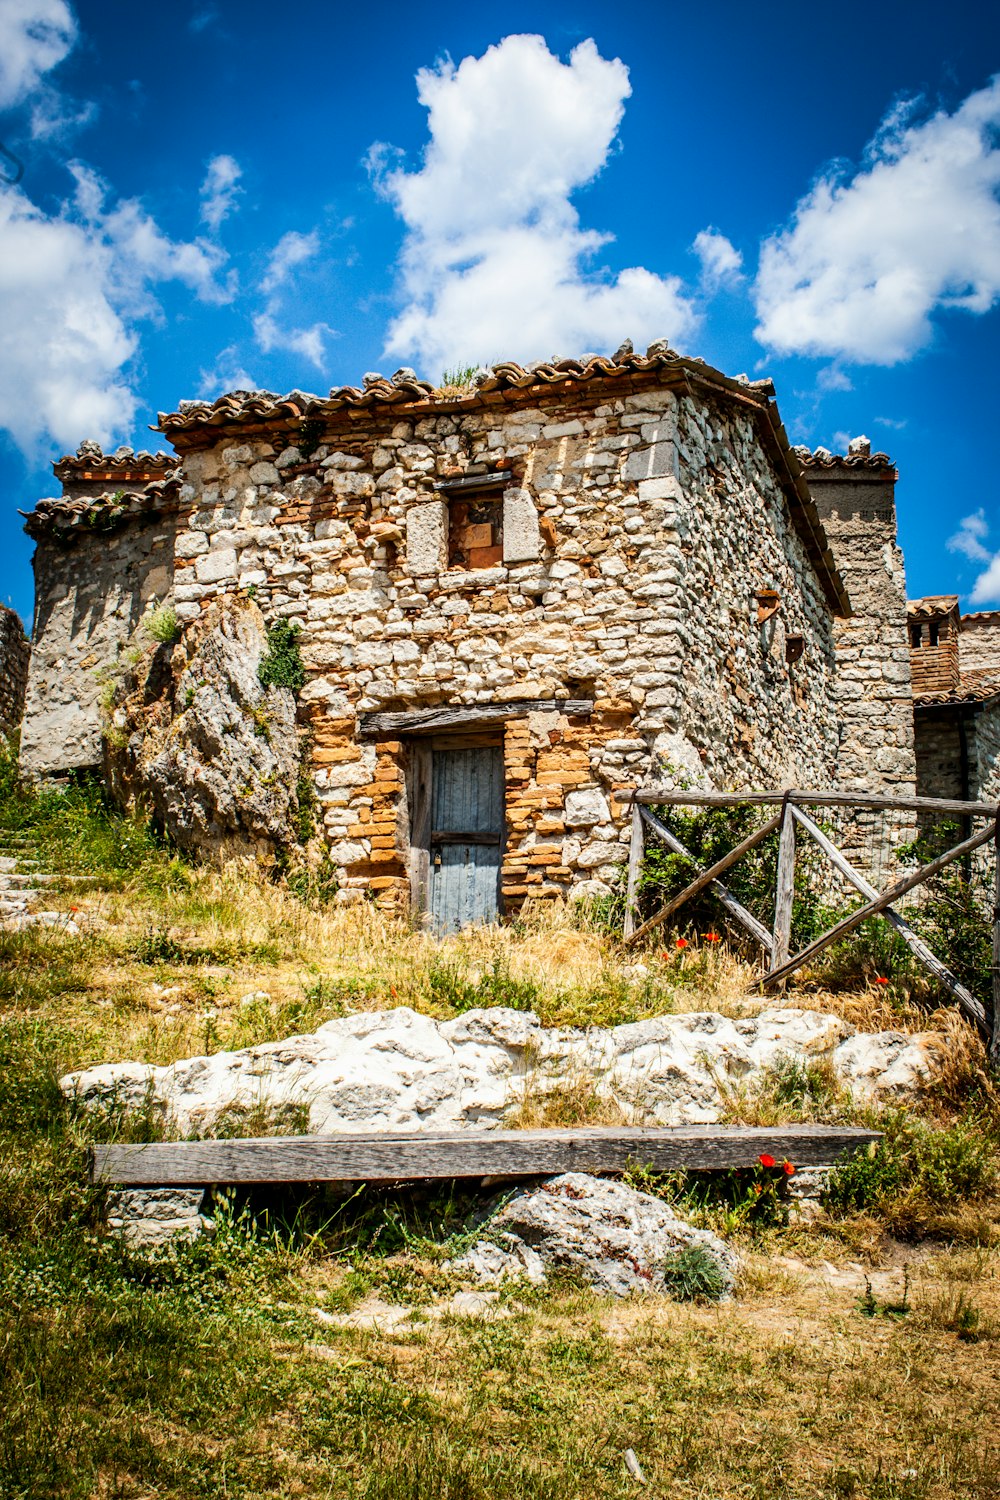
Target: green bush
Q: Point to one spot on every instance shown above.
(281, 666)
(162, 625)
(708, 835)
(691, 1275)
(942, 1165)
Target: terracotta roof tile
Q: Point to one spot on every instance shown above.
(240, 407)
(108, 511)
(931, 604)
(508, 382)
(90, 459)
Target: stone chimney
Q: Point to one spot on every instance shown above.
(855, 497)
(934, 631)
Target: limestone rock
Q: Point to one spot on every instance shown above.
(199, 741)
(616, 1237)
(398, 1070)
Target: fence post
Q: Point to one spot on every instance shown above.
(995, 1018)
(784, 888)
(634, 862)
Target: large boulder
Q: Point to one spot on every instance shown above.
(197, 741)
(399, 1070)
(619, 1240)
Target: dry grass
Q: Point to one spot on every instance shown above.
(161, 974)
(207, 1388)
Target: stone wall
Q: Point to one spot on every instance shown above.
(873, 690)
(15, 652)
(984, 754)
(91, 590)
(979, 642)
(942, 752)
(637, 532)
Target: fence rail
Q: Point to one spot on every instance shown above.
(790, 817)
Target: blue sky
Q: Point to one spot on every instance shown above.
(218, 194)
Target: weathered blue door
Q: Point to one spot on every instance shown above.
(466, 837)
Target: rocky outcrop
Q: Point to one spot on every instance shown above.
(396, 1070)
(619, 1240)
(197, 740)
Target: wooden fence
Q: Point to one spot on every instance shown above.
(791, 816)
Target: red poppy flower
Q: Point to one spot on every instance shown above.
(393, 991)
(683, 943)
(712, 937)
(787, 1168)
(880, 980)
(767, 1161)
(74, 908)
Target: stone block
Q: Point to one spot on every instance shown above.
(521, 536)
(586, 807)
(217, 565)
(427, 538)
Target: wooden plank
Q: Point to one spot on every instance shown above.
(397, 1156)
(707, 877)
(926, 872)
(635, 853)
(994, 1045)
(500, 477)
(917, 946)
(464, 716)
(419, 784)
(733, 907)
(784, 892)
(650, 797)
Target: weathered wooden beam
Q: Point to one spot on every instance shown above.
(784, 893)
(887, 898)
(465, 716)
(707, 877)
(973, 1009)
(650, 797)
(393, 1156)
(635, 852)
(735, 908)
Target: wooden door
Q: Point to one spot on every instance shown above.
(466, 836)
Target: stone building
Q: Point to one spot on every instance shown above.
(955, 663)
(14, 655)
(516, 599)
(855, 497)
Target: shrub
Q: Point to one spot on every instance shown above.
(916, 1170)
(162, 624)
(691, 1275)
(281, 666)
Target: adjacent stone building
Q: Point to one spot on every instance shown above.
(516, 599)
(956, 699)
(14, 655)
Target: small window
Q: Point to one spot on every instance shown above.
(475, 531)
(475, 519)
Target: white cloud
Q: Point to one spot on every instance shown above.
(291, 250)
(970, 537)
(721, 262)
(309, 342)
(227, 374)
(220, 190)
(494, 261)
(35, 35)
(868, 260)
(986, 589)
(72, 287)
(833, 378)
